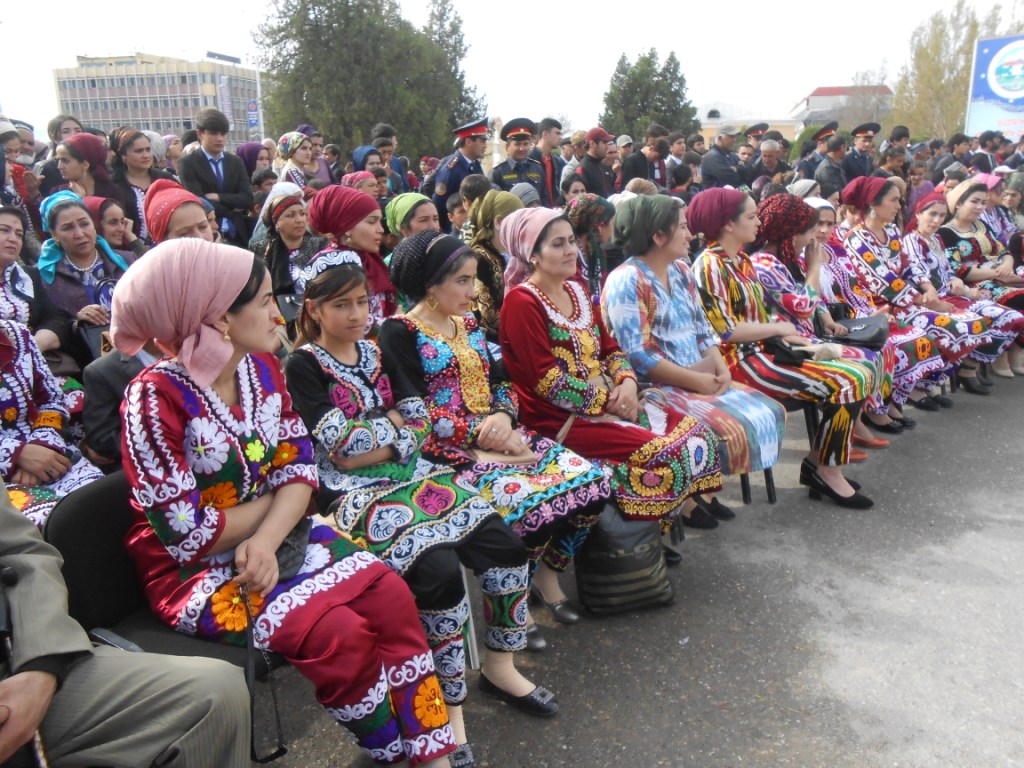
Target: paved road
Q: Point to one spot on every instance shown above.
(802, 635)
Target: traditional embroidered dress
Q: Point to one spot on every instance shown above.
(732, 294)
(878, 264)
(979, 247)
(33, 412)
(1000, 221)
(923, 259)
(914, 354)
(551, 358)
(345, 621)
(401, 510)
(652, 323)
(550, 504)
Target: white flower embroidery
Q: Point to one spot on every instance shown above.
(180, 517)
(206, 446)
(269, 415)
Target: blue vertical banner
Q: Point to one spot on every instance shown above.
(996, 101)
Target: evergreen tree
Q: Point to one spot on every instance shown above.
(445, 29)
(647, 92)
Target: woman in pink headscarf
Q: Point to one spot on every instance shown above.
(221, 472)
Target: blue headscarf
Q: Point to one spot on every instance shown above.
(359, 155)
(52, 253)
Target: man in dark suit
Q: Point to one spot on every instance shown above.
(105, 381)
(219, 176)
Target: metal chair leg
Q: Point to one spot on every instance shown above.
(745, 487)
(769, 485)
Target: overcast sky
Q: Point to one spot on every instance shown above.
(743, 57)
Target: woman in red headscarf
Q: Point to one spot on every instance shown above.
(877, 252)
(111, 224)
(352, 221)
(757, 349)
(82, 161)
(172, 212)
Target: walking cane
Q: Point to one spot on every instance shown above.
(8, 578)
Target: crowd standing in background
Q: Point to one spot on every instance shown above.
(411, 367)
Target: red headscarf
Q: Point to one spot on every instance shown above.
(334, 211)
(712, 209)
(924, 203)
(163, 198)
(861, 191)
(93, 150)
(783, 217)
(94, 204)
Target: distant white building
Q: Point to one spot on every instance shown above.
(828, 103)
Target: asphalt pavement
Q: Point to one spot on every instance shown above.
(801, 635)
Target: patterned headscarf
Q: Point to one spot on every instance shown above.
(924, 204)
(586, 213)
(356, 177)
(162, 199)
(783, 217)
(494, 205)
(93, 150)
(520, 232)
(288, 143)
(420, 260)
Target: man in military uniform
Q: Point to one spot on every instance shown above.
(470, 146)
(518, 167)
(859, 161)
(829, 174)
(805, 168)
(755, 134)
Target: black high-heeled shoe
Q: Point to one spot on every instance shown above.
(806, 467)
(563, 610)
(972, 384)
(817, 487)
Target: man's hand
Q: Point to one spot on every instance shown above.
(24, 699)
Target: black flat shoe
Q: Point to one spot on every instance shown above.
(972, 385)
(540, 702)
(894, 427)
(926, 404)
(700, 518)
(672, 558)
(563, 610)
(715, 508)
(905, 421)
(942, 400)
(535, 641)
(818, 488)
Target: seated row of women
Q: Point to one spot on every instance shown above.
(637, 388)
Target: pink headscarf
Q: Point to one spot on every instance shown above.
(173, 296)
(520, 231)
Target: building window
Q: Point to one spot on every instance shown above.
(92, 82)
(135, 103)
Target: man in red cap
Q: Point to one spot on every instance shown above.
(597, 178)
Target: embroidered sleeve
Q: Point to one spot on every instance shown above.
(628, 308)
(874, 270)
(51, 414)
(913, 262)
(293, 456)
(791, 299)
(163, 486)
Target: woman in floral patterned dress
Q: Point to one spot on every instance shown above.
(221, 470)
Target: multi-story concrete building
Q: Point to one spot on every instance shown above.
(157, 93)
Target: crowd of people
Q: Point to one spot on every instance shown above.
(397, 375)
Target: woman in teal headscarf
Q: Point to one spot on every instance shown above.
(78, 267)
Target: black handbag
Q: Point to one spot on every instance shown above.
(784, 354)
(868, 332)
(621, 566)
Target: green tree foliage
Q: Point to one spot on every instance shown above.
(344, 65)
(445, 29)
(932, 89)
(648, 92)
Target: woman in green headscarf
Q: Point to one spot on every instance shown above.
(486, 217)
(410, 213)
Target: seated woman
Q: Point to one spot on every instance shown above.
(351, 220)
(875, 247)
(436, 352)
(917, 362)
(134, 172)
(651, 307)
(485, 217)
(592, 220)
(411, 512)
(996, 215)
(38, 465)
(111, 224)
(221, 471)
(785, 239)
(78, 267)
(296, 150)
(755, 347)
(409, 213)
(925, 264)
(82, 161)
(576, 386)
(22, 297)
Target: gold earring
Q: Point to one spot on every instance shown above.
(346, 239)
(431, 303)
(227, 337)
